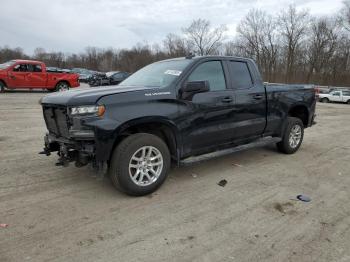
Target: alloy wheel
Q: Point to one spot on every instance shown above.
(145, 166)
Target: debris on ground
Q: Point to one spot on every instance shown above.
(284, 208)
(238, 165)
(4, 225)
(222, 182)
(194, 175)
(303, 198)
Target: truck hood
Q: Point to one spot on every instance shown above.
(86, 96)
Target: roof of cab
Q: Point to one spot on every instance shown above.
(207, 56)
(26, 61)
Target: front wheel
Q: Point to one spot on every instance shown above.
(325, 100)
(292, 137)
(140, 164)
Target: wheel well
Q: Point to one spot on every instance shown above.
(161, 130)
(300, 112)
(62, 81)
(3, 82)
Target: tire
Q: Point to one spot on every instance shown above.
(2, 87)
(61, 86)
(348, 102)
(325, 100)
(292, 137)
(129, 175)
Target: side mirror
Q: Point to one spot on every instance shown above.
(194, 87)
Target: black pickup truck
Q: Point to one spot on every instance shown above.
(178, 111)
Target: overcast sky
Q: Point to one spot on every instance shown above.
(72, 25)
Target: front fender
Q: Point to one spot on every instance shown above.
(108, 132)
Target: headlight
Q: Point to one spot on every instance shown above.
(88, 110)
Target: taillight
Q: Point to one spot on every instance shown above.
(317, 91)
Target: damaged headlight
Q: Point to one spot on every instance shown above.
(88, 110)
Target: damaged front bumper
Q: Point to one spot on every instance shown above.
(80, 151)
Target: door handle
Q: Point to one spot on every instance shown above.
(227, 99)
(12, 77)
(258, 96)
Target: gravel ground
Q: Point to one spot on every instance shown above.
(69, 214)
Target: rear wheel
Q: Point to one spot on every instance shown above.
(325, 100)
(292, 137)
(140, 164)
(348, 102)
(62, 86)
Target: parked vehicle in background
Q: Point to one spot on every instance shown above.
(340, 96)
(109, 78)
(56, 69)
(116, 77)
(28, 74)
(84, 74)
(180, 110)
(99, 79)
(321, 90)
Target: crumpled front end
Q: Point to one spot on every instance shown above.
(71, 140)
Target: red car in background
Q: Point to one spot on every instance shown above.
(28, 74)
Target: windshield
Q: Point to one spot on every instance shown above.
(7, 64)
(160, 74)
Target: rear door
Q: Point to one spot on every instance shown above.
(36, 78)
(250, 101)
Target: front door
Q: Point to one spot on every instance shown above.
(206, 119)
(18, 76)
(336, 96)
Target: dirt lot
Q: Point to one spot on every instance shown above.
(67, 214)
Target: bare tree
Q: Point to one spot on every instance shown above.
(345, 15)
(175, 46)
(293, 27)
(321, 46)
(204, 39)
(258, 39)
(292, 46)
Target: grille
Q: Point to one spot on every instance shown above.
(56, 120)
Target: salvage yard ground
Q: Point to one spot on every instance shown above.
(67, 214)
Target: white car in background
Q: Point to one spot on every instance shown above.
(342, 96)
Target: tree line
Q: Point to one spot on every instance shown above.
(291, 46)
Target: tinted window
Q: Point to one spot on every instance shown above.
(212, 72)
(346, 93)
(240, 75)
(336, 94)
(117, 76)
(37, 68)
(20, 68)
(34, 68)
